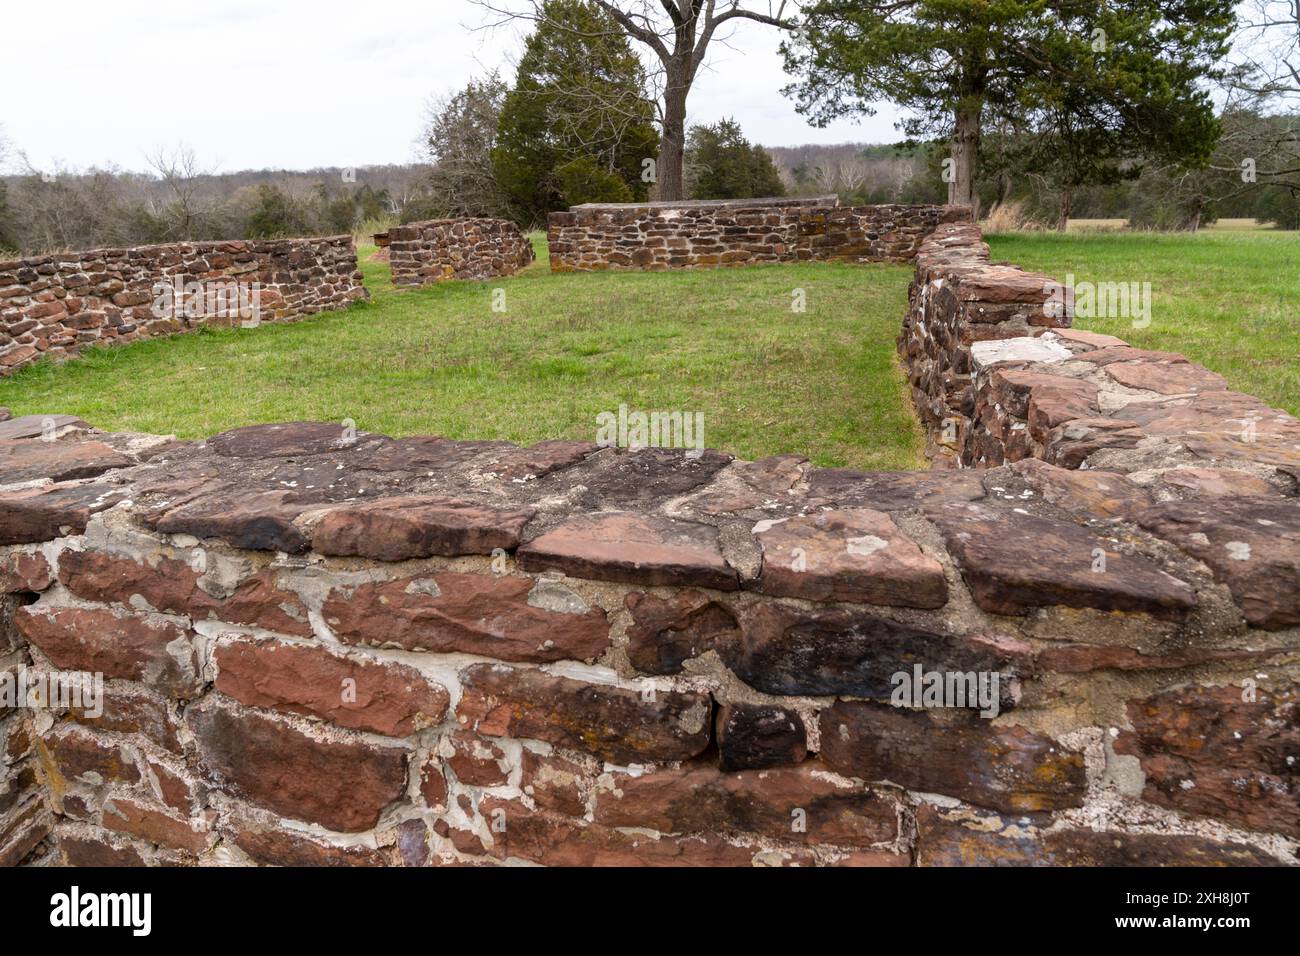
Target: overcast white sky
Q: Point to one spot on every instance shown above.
(299, 83)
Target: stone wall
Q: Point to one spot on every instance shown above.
(338, 649)
(714, 233)
(424, 252)
(56, 305)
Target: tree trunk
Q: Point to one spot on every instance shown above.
(672, 146)
(965, 153)
(1066, 207)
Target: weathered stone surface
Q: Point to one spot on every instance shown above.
(1042, 400)
(553, 840)
(785, 650)
(262, 521)
(759, 736)
(619, 724)
(1104, 494)
(752, 484)
(154, 826)
(82, 851)
(433, 784)
(152, 650)
(555, 783)
(173, 586)
(961, 838)
(1216, 483)
(271, 847)
(380, 696)
(1212, 751)
(990, 545)
(341, 782)
(476, 761)
(633, 549)
(666, 632)
(128, 709)
(853, 555)
(397, 529)
(639, 481)
(1178, 378)
(804, 804)
(1009, 769)
(34, 426)
(28, 460)
(519, 465)
(509, 618)
(44, 514)
(1071, 443)
(1251, 544)
(82, 757)
(1093, 339)
(891, 491)
(1126, 353)
(1019, 350)
(1081, 658)
(24, 571)
(283, 440)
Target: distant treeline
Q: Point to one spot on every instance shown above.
(51, 210)
(44, 211)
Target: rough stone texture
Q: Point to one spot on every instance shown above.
(713, 233)
(804, 804)
(991, 543)
(56, 305)
(440, 249)
(324, 647)
(1251, 544)
(962, 838)
(620, 724)
(1004, 768)
(634, 549)
(337, 781)
(854, 555)
(758, 736)
(1229, 753)
(395, 529)
(473, 613)
(383, 697)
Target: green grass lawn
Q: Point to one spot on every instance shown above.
(1229, 300)
(438, 360)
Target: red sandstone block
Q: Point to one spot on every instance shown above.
(1230, 752)
(350, 691)
(156, 826)
(519, 833)
(78, 756)
(173, 586)
(336, 779)
(476, 761)
(22, 570)
(803, 804)
(116, 643)
(620, 724)
(507, 618)
(1009, 769)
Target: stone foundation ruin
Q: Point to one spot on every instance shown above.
(58, 304)
(331, 648)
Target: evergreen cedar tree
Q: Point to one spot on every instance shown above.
(1105, 79)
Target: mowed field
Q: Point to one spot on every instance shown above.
(823, 382)
(1228, 298)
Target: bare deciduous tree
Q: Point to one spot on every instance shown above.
(677, 35)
